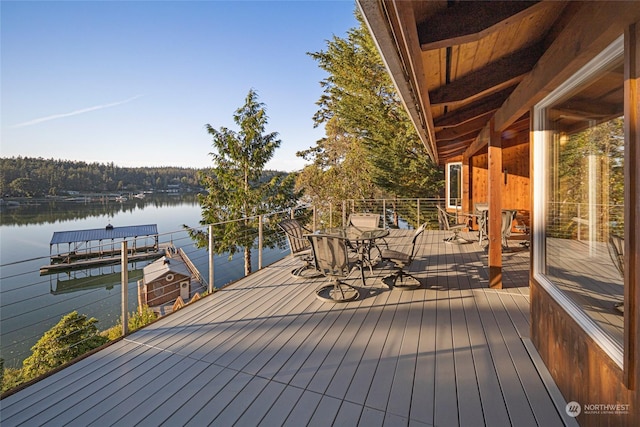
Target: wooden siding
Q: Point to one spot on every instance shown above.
(265, 351)
(516, 193)
(579, 366)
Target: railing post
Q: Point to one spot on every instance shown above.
(384, 213)
(260, 241)
(579, 225)
(315, 218)
(211, 264)
(344, 213)
(418, 214)
(330, 215)
(125, 288)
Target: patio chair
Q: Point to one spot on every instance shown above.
(402, 260)
(332, 260)
(508, 216)
(616, 252)
(300, 248)
(443, 219)
(364, 221)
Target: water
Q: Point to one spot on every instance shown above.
(30, 304)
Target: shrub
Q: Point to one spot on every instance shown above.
(137, 320)
(73, 336)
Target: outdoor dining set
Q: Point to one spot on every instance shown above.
(336, 252)
(362, 244)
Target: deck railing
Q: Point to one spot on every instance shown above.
(100, 298)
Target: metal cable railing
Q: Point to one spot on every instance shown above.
(29, 309)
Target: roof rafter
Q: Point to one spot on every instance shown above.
(495, 77)
(469, 21)
(469, 127)
(476, 109)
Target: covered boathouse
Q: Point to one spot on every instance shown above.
(100, 246)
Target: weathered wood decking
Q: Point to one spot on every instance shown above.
(265, 351)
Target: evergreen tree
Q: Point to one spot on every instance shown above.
(361, 100)
(235, 184)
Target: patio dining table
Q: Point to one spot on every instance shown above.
(361, 240)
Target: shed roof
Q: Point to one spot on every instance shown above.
(165, 265)
(103, 233)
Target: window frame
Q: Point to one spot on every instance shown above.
(448, 186)
(540, 188)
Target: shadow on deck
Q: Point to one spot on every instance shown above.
(265, 351)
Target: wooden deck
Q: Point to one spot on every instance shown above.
(265, 351)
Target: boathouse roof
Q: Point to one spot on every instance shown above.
(109, 232)
(164, 265)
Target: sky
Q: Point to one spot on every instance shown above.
(135, 82)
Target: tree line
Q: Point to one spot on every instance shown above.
(37, 177)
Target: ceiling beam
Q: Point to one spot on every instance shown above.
(494, 77)
(466, 128)
(465, 22)
(593, 27)
(469, 112)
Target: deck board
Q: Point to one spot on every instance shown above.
(265, 351)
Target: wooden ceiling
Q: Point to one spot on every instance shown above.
(472, 56)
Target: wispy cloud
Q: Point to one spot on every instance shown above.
(75, 113)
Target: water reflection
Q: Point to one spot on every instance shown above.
(31, 211)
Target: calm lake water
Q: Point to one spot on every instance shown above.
(30, 304)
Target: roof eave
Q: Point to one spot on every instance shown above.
(377, 18)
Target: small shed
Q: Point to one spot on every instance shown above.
(164, 281)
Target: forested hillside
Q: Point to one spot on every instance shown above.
(36, 177)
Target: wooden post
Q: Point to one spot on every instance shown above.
(125, 288)
(211, 264)
(495, 208)
(631, 205)
(466, 185)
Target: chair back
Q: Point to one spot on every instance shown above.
(443, 218)
(330, 254)
(616, 252)
(416, 235)
(507, 219)
(295, 235)
(364, 221)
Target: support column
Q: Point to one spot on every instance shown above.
(466, 185)
(631, 205)
(495, 208)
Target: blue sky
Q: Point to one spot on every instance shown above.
(134, 83)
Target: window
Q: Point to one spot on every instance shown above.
(454, 185)
(579, 197)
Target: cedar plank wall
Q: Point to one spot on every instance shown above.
(516, 194)
(582, 371)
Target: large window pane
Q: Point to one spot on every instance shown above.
(454, 185)
(584, 216)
